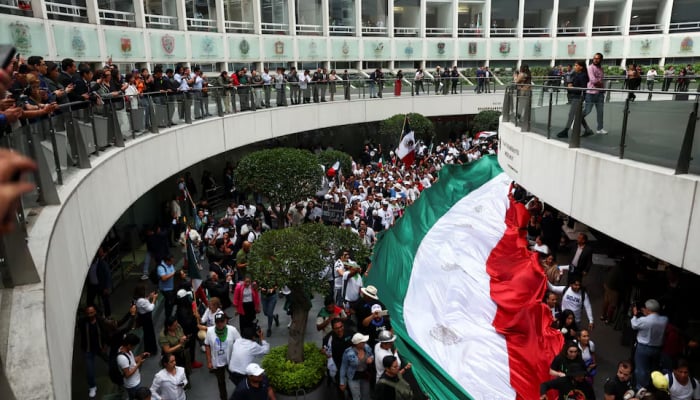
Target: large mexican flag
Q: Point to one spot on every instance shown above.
(463, 290)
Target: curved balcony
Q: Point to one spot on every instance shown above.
(636, 183)
(125, 165)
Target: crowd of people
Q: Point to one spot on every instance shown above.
(654, 318)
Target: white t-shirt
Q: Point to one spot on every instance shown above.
(352, 290)
(338, 280)
(127, 360)
(680, 392)
(379, 355)
(144, 306)
(221, 351)
(586, 353)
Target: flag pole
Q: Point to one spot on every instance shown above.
(403, 127)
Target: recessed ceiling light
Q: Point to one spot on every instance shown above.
(635, 16)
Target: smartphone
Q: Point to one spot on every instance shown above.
(384, 313)
(7, 55)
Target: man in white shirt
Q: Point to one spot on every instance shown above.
(248, 349)
(681, 385)
(651, 78)
(129, 364)
(352, 280)
(385, 215)
(650, 327)
(219, 347)
(574, 298)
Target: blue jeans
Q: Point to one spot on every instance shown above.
(359, 389)
(372, 89)
(268, 308)
(90, 369)
(598, 101)
(646, 359)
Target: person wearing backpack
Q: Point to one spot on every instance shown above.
(391, 385)
(682, 386)
(574, 298)
(129, 364)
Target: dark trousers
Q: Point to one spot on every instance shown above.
(169, 298)
(247, 319)
(235, 377)
(220, 374)
(267, 89)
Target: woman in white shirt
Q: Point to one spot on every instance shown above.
(169, 383)
(144, 308)
(587, 347)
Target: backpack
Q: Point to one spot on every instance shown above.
(693, 382)
(153, 276)
(115, 373)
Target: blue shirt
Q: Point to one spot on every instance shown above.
(169, 284)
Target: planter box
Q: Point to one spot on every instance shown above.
(321, 392)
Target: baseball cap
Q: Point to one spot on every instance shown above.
(182, 293)
(254, 370)
(359, 338)
(220, 316)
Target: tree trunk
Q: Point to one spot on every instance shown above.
(300, 315)
(281, 216)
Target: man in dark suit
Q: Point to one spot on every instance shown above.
(581, 257)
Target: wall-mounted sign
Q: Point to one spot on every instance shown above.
(123, 45)
(243, 47)
(77, 42)
(167, 45)
(278, 48)
(28, 37)
(207, 47)
(345, 49)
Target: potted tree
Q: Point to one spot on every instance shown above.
(295, 257)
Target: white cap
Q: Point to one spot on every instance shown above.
(254, 370)
(182, 293)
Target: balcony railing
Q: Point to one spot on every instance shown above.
(405, 31)
(120, 18)
(646, 28)
(309, 29)
(470, 32)
(607, 30)
(503, 32)
(161, 21)
(374, 30)
(274, 28)
(548, 111)
(571, 31)
(684, 26)
(341, 30)
(200, 24)
(539, 32)
(63, 11)
(239, 27)
(438, 32)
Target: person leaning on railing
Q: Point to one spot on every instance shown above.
(523, 80)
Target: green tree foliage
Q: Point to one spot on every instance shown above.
(328, 157)
(486, 121)
(390, 129)
(297, 258)
(282, 175)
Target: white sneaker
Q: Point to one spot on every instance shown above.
(144, 277)
(601, 132)
(92, 393)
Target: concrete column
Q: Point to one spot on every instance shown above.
(291, 7)
(257, 17)
(521, 18)
(139, 14)
(93, 13)
(390, 18)
(181, 15)
(665, 19)
(220, 16)
(486, 19)
(39, 8)
(588, 25)
(554, 20)
(455, 17)
(625, 18)
(422, 25)
(325, 18)
(358, 18)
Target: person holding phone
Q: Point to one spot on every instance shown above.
(377, 322)
(169, 383)
(130, 364)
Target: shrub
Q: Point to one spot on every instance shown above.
(287, 377)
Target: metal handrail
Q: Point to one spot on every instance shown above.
(570, 29)
(684, 26)
(405, 31)
(438, 31)
(270, 27)
(535, 31)
(504, 31)
(66, 10)
(306, 28)
(201, 23)
(374, 30)
(602, 29)
(153, 20)
(526, 97)
(117, 16)
(238, 26)
(470, 32)
(341, 29)
(646, 27)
